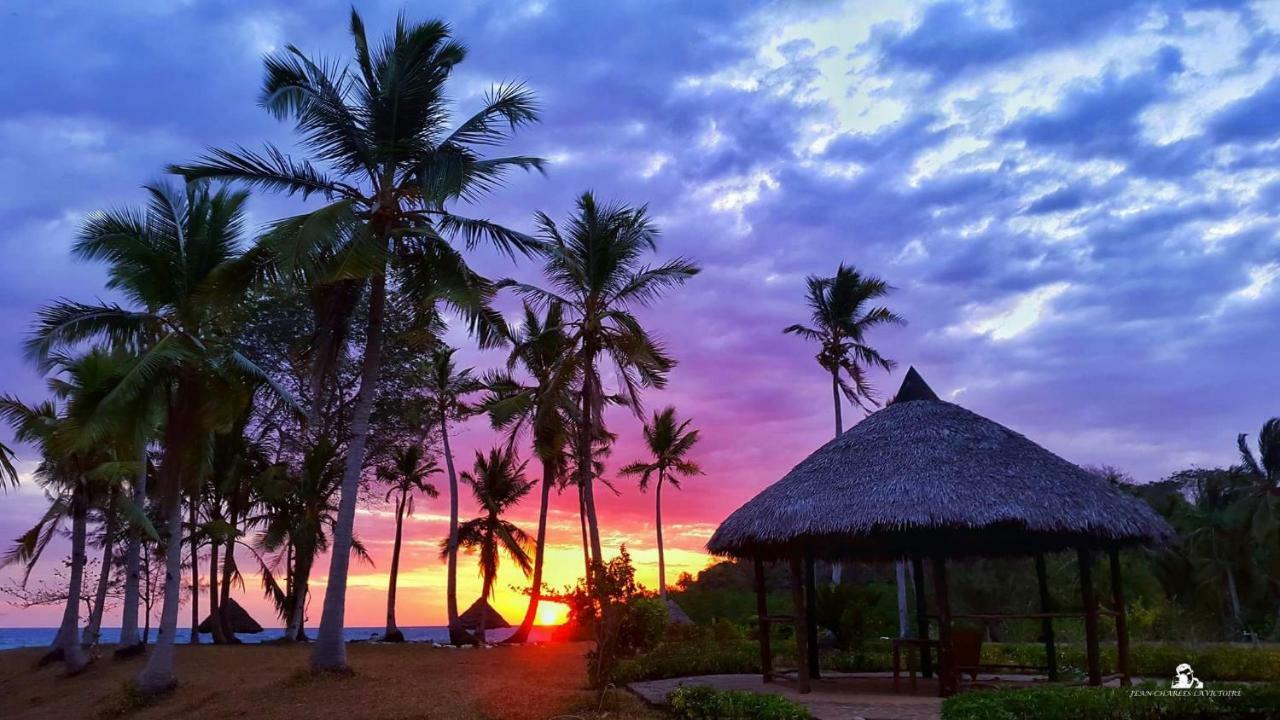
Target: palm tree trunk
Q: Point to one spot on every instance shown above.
(535, 590)
(392, 633)
(484, 610)
(330, 652)
(93, 632)
(1234, 596)
(195, 576)
(301, 586)
(586, 545)
(215, 622)
(158, 676)
(66, 644)
(662, 562)
(456, 634)
(835, 397)
(586, 435)
(228, 571)
(133, 566)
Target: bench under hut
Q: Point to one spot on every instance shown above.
(928, 481)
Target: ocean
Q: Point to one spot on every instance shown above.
(38, 637)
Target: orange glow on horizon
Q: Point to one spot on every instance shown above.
(552, 613)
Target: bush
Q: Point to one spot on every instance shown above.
(699, 702)
(644, 621)
(683, 659)
(1255, 702)
(1222, 661)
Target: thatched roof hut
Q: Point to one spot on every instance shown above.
(924, 479)
(470, 619)
(922, 475)
(241, 621)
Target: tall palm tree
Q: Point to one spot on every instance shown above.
(383, 157)
(446, 388)
(64, 477)
(596, 267)
(179, 263)
(1264, 470)
(497, 483)
(841, 317)
(406, 474)
(543, 409)
(669, 441)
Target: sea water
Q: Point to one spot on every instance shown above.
(38, 637)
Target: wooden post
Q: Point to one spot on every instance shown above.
(1046, 625)
(1122, 619)
(762, 613)
(1093, 657)
(800, 623)
(811, 614)
(948, 678)
(922, 615)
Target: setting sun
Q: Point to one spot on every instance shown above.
(552, 613)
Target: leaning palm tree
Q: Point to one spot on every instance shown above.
(178, 262)
(669, 441)
(389, 167)
(543, 409)
(406, 474)
(596, 267)
(446, 388)
(497, 483)
(840, 320)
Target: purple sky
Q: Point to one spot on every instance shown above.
(1076, 201)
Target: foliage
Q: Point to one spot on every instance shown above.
(1222, 662)
(699, 702)
(1254, 702)
(696, 657)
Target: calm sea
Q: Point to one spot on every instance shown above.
(38, 637)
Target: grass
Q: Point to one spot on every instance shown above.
(264, 682)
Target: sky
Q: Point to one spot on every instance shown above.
(1076, 203)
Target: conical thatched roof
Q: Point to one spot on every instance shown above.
(471, 618)
(241, 621)
(676, 614)
(924, 475)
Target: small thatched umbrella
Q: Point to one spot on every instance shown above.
(927, 478)
(470, 619)
(241, 621)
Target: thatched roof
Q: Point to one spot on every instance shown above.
(241, 621)
(471, 618)
(676, 614)
(924, 475)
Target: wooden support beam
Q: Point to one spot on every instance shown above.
(798, 610)
(1046, 624)
(948, 677)
(762, 613)
(1093, 657)
(811, 614)
(1122, 620)
(922, 615)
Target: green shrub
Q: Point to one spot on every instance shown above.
(1254, 702)
(1220, 661)
(643, 623)
(699, 702)
(683, 659)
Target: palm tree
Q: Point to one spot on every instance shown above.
(543, 409)
(1264, 470)
(840, 321)
(669, 442)
(64, 477)
(445, 388)
(406, 474)
(384, 159)
(497, 483)
(597, 271)
(179, 262)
